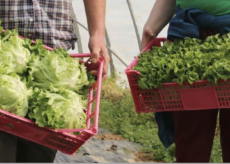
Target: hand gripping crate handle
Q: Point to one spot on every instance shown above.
(98, 94)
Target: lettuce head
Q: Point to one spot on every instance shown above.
(58, 108)
(14, 56)
(55, 69)
(13, 95)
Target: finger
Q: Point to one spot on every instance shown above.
(95, 53)
(106, 64)
(104, 77)
(94, 73)
(106, 58)
(147, 37)
(146, 40)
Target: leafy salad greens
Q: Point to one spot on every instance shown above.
(48, 87)
(185, 60)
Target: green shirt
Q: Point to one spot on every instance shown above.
(213, 7)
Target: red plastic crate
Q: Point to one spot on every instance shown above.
(61, 139)
(201, 95)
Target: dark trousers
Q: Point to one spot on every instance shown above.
(14, 149)
(194, 134)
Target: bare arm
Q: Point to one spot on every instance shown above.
(95, 13)
(161, 14)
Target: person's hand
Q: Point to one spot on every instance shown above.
(97, 49)
(147, 37)
(161, 14)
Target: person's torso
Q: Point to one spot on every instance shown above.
(213, 7)
(48, 20)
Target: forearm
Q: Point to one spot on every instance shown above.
(95, 12)
(161, 14)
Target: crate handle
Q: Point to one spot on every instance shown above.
(94, 128)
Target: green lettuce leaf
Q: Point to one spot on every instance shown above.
(185, 60)
(55, 69)
(14, 95)
(14, 56)
(58, 109)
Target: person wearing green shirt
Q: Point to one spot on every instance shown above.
(192, 131)
(213, 7)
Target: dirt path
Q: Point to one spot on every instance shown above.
(103, 148)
